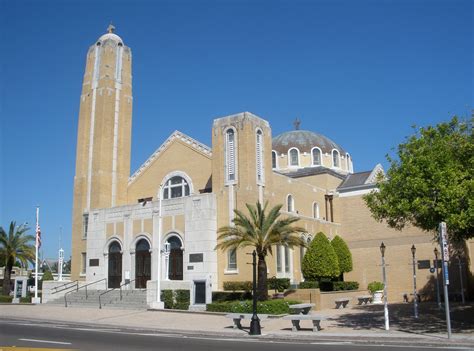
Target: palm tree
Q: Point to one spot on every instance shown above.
(15, 247)
(261, 231)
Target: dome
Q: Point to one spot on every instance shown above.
(110, 35)
(304, 140)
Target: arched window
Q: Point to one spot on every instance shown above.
(290, 203)
(175, 187)
(316, 154)
(335, 158)
(274, 159)
(315, 210)
(232, 260)
(230, 155)
(259, 158)
(287, 259)
(294, 159)
(175, 265)
(278, 258)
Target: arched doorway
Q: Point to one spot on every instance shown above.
(142, 264)
(115, 265)
(175, 271)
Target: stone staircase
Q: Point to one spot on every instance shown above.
(134, 299)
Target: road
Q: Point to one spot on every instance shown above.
(24, 333)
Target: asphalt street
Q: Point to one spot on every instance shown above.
(24, 333)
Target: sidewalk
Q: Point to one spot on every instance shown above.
(356, 323)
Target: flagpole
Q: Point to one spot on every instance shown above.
(36, 299)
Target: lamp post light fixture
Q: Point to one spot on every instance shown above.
(385, 304)
(438, 298)
(415, 295)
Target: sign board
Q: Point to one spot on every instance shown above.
(444, 241)
(446, 274)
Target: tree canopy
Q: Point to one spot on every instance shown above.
(320, 260)
(260, 230)
(15, 246)
(430, 181)
(344, 256)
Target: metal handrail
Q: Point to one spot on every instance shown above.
(127, 282)
(85, 286)
(64, 287)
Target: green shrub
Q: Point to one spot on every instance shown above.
(320, 260)
(279, 284)
(233, 286)
(221, 296)
(167, 298)
(6, 299)
(25, 299)
(264, 307)
(344, 256)
(345, 286)
(47, 275)
(182, 299)
(308, 284)
(326, 285)
(375, 286)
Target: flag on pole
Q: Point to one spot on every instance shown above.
(38, 234)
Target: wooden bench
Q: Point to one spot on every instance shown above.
(343, 301)
(301, 308)
(297, 318)
(365, 299)
(237, 318)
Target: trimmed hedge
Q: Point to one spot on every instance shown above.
(6, 299)
(308, 284)
(337, 286)
(343, 253)
(221, 296)
(266, 307)
(176, 299)
(320, 260)
(233, 286)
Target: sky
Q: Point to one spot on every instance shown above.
(359, 72)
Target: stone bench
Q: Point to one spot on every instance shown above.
(365, 299)
(297, 318)
(301, 308)
(237, 318)
(342, 302)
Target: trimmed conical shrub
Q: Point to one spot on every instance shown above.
(320, 261)
(343, 254)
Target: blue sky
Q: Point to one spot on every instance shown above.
(360, 72)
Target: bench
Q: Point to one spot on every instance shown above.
(343, 301)
(237, 317)
(301, 308)
(297, 318)
(365, 299)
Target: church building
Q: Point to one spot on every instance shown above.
(159, 223)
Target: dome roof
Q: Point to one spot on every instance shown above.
(304, 140)
(110, 35)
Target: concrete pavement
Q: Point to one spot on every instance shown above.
(355, 323)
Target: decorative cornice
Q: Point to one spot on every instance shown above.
(198, 146)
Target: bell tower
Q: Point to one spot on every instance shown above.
(103, 138)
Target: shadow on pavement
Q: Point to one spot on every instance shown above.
(401, 316)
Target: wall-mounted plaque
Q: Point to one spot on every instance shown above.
(197, 257)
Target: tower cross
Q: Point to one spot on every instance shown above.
(297, 123)
(111, 28)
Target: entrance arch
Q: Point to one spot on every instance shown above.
(175, 270)
(115, 265)
(142, 264)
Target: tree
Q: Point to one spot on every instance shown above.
(344, 256)
(320, 260)
(47, 275)
(261, 230)
(430, 182)
(15, 247)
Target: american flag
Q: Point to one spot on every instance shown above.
(38, 235)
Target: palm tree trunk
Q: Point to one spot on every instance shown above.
(6, 279)
(262, 289)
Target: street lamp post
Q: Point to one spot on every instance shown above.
(255, 321)
(438, 298)
(385, 304)
(415, 296)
